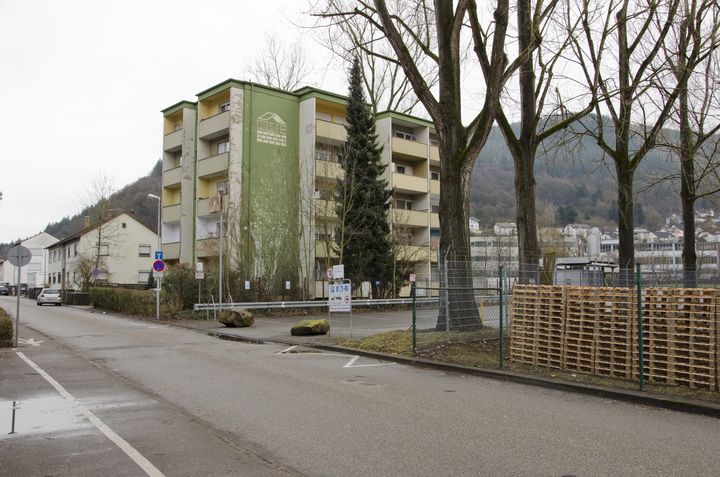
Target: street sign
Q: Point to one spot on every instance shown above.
(338, 272)
(19, 256)
(158, 268)
(95, 273)
(158, 255)
(199, 275)
(412, 277)
(287, 284)
(199, 267)
(340, 297)
(329, 273)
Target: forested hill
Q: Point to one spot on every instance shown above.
(131, 198)
(572, 182)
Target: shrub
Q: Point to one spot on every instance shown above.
(236, 317)
(6, 329)
(181, 287)
(132, 302)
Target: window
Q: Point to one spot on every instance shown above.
(104, 249)
(223, 147)
(317, 193)
(75, 250)
(324, 116)
(400, 169)
(68, 252)
(435, 209)
(222, 187)
(435, 175)
(405, 135)
(224, 107)
(124, 225)
(144, 250)
(403, 204)
(143, 276)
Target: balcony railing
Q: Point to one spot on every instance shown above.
(329, 130)
(407, 184)
(171, 213)
(214, 126)
(213, 165)
(172, 177)
(171, 251)
(172, 141)
(409, 149)
(413, 218)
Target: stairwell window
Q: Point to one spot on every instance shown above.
(400, 169)
(403, 204)
(435, 175)
(224, 107)
(223, 147)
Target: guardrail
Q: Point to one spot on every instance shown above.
(309, 304)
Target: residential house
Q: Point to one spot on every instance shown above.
(33, 274)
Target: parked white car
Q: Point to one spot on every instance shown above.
(49, 296)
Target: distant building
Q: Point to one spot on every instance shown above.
(34, 273)
(474, 225)
(117, 250)
(505, 228)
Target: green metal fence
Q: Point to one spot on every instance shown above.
(459, 321)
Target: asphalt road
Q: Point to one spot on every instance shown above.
(193, 405)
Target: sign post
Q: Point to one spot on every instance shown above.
(340, 298)
(158, 269)
(18, 256)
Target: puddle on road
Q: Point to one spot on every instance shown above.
(40, 415)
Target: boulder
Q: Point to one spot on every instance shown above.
(236, 318)
(310, 327)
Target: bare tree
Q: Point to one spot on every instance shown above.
(696, 114)
(349, 37)
(459, 144)
(545, 34)
(280, 66)
(104, 236)
(635, 31)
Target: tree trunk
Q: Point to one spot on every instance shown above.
(687, 193)
(626, 249)
(454, 254)
(528, 246)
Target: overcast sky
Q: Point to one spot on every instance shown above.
(82, 83)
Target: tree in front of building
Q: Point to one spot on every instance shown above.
(363, 240)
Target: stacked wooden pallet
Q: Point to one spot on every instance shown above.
(594, 330)
(681, 336)
(537, 325)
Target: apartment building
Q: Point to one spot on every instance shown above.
(117, 250)
(266, 162)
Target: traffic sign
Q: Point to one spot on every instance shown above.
(19, 256)
(159, 266)
(338, 272)
(199, 275)
(158, 255)
(329, 273)
(340, 297)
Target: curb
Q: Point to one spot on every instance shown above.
(690, 406)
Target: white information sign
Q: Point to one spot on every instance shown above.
(340, 297)
(338, 272)
(199, 267)
(247, 284)
(287, 285)
(199, 275)
(412, 277)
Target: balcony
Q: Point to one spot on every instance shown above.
(406, 184)
(413, 253)
(325, 208)
(172, 142)
(207, 247)
(171, 213)
(335, 132)
(434, 155)
(213, 166)
(210, 205)
(171, 251)
(435, 221)
(414, 218)
(411, 150)
(172, 177)
(331, 170)
(321, 250)
(435, 187)
(214, 126)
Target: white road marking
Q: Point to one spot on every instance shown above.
(351, 364)
(30, 341)
(286, 350)
(131, 452)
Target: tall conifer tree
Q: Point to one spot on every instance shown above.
(364, 199)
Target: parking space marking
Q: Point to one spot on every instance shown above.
(349, 364)
(129, 450)
(287, 350)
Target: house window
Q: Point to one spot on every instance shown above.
(435, 175)
(75, 250)
(143, 276)
(144, 250)
(224, 107)
(124, 225)
(403, 204)
(104, 250)
(405, 135)
(222, 187)
(400, 169)
(223, 147)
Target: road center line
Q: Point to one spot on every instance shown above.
(131, 452)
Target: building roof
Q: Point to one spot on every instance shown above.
(109, 218)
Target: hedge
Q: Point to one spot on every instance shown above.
(131, 302)
(6, 329)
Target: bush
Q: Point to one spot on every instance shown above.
(6, 329)
(310, 327)
(236, 317)
(181, 287)
(132, 302)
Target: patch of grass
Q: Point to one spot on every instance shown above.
(483, 352)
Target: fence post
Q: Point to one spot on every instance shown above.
(414, 319)
(500, 327)
(641, 357)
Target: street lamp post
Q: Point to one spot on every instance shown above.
(159, 245)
